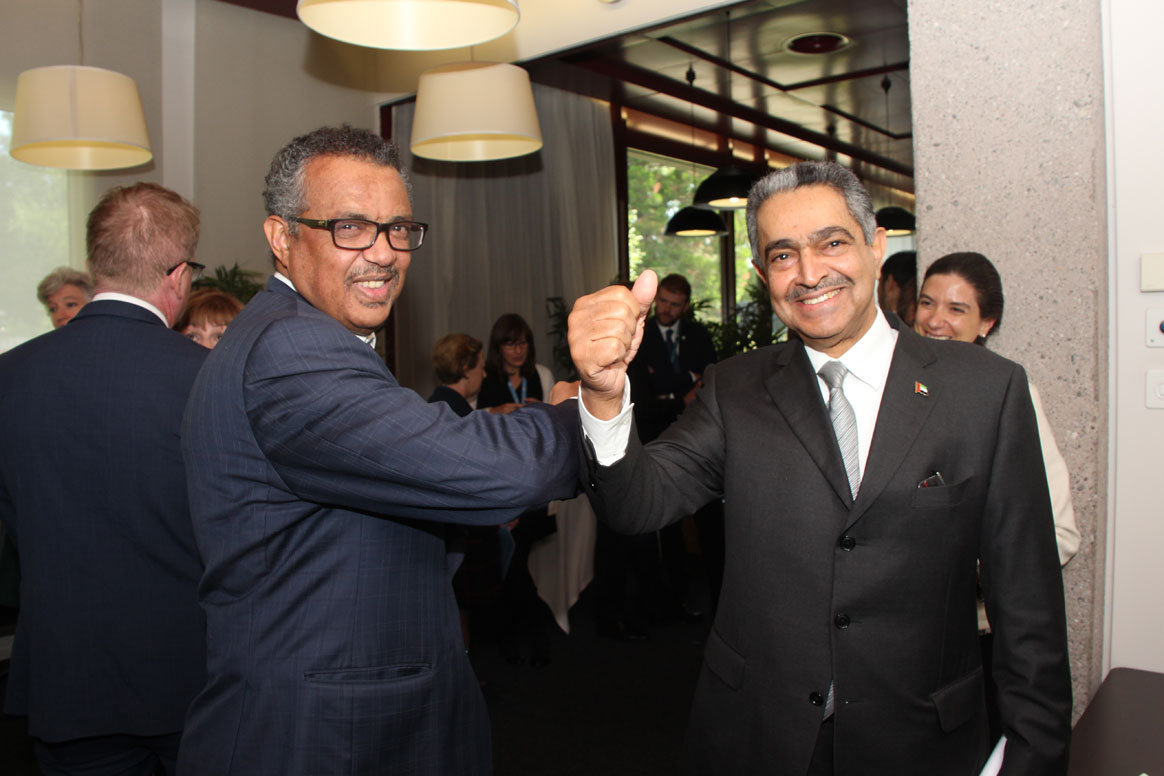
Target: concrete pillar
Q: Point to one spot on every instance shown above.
(1009, 150)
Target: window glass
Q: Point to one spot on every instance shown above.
(657, 188)
(34, 239)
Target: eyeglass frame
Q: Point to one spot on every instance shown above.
(196, 269)
(330, 223)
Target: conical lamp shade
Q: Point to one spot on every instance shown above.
(474, 112)
(725, 189)
(410, 25)
(695, 222)
(79, 118)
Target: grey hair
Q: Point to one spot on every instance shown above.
(285, 195)
(61, 277)
(840, 179)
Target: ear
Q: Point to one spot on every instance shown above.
(985, 327)
(759, 274)
(279, 239)
(878, 246)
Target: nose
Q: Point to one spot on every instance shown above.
(811, 270)
(381, 252)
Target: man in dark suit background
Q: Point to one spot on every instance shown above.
(110, 644)
(866, 471)
(319, 492)
(674, 352)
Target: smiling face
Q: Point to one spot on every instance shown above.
(947, 308)
(820, 273)
(357, 288)
(65, 303)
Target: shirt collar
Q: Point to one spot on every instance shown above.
(369, 340)
(869, 358)
(116, 297)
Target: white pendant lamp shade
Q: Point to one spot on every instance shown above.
(79, 118)
(474, 112)
(410, 25)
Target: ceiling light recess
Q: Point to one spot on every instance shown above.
(896, 221)
(817, 43)
(410, 25)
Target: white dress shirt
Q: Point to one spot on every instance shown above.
(114, 296)
(868, 364)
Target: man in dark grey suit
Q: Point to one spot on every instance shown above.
(865, 473)
(110, 645)
(319, 492)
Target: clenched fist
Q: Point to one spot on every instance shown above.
(605, 330)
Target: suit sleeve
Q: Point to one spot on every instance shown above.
(1023, 589)
(673, 476)
(338, 429)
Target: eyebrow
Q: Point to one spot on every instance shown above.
(817, 236)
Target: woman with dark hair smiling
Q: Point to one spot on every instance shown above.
(961, 299)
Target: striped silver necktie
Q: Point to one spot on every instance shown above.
(844, 422)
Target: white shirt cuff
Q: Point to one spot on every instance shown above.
(609, 437)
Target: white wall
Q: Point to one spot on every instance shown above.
(1135, 111)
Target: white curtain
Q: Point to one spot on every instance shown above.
(506, 235)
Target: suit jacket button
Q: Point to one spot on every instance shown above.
(842, 621)
(816, 699)
(847, 543)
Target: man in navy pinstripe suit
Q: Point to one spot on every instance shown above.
(319, 492)
(110, 647)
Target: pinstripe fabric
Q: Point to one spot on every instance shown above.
(320, 490)
(844, 422)
(110, 638)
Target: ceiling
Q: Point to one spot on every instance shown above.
(748, 86)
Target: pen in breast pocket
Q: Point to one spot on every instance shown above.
(935, 480)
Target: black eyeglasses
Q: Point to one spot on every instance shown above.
(195, 269)
(357, 234)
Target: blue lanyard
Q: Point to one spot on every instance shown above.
(513, 393)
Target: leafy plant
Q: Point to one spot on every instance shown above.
(240, 283)
(753, 326)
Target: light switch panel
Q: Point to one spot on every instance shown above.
(1152, 272)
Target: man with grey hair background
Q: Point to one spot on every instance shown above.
(865, 473)
(320, 493)
(110, 643)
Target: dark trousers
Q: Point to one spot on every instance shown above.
(115, 755)
(822, 754)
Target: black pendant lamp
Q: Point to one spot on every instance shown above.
(896, 221)
(726, 189)
(693, 221)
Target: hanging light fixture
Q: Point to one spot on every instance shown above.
(78, 118)
(410, 25)
(727, 188)
(896, 221)
(474, 112)
(694, 221)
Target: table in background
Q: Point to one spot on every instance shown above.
(1121, 733)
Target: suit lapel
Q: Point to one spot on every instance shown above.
(905, 406)
(793, 387)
